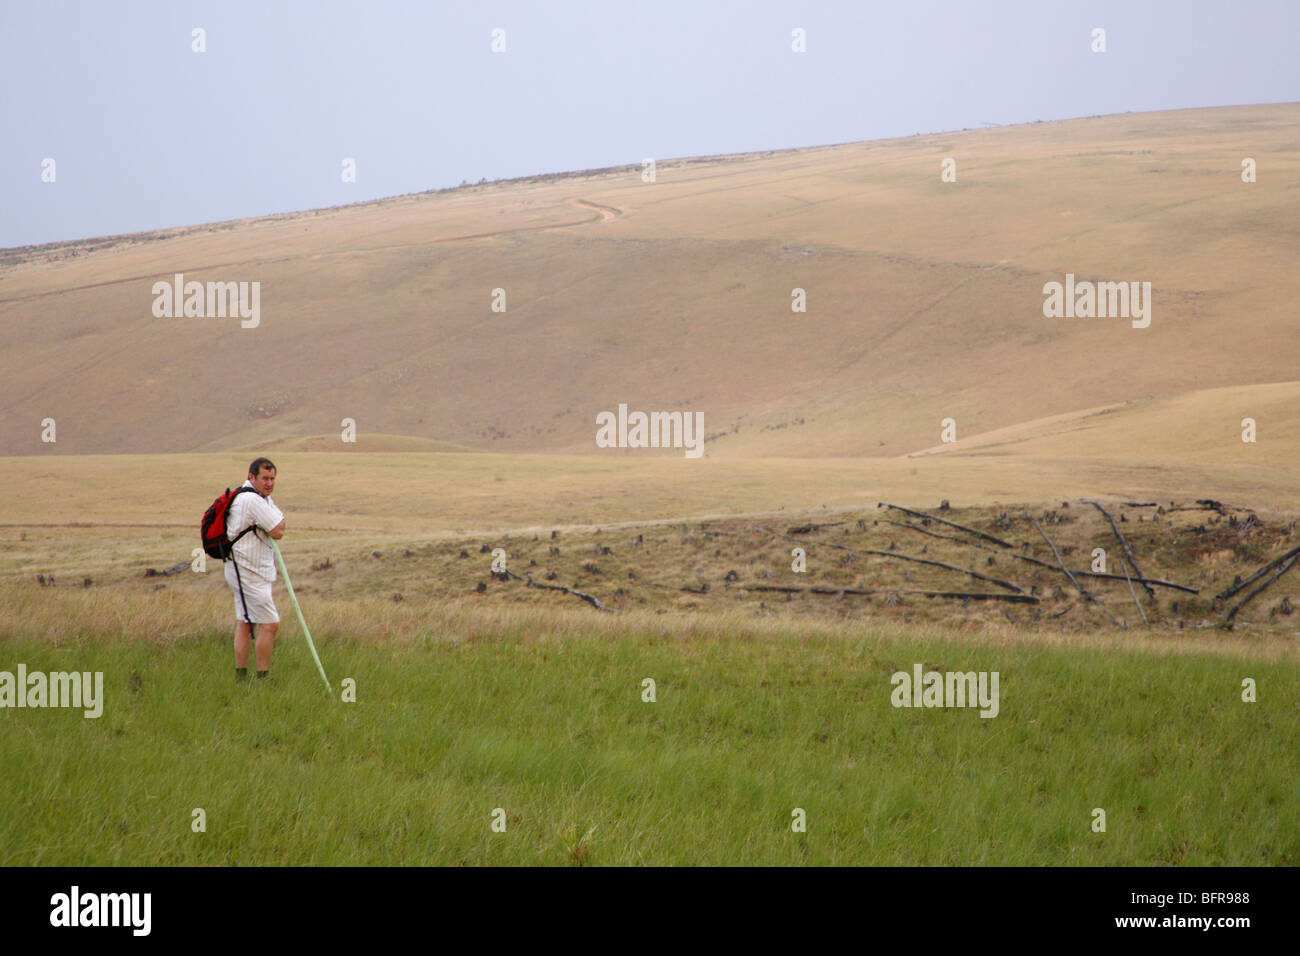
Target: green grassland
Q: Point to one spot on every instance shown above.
(540, 713)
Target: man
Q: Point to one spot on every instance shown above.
(256, 566)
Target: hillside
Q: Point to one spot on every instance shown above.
(924, 301)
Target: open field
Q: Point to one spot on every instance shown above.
(541, 715)
(473, 425)
(476, 429)
(847, 565)
(676, 535)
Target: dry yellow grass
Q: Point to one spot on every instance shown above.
(924, 299)
(925, 302)
(169, 616)
(1199, 426)
(701, 566)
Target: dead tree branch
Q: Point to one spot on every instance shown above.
(589, 598)
(1073, 579)
(1135, 594)
(903, 557)
(951, 524)
(963, 595)
(949, 567)
(1123, 542)
(1224, 595)
(1043, 564)
(1282, 569)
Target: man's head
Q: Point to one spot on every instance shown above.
(262, 474)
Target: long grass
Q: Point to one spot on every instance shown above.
(542, 716)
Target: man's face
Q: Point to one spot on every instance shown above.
(263, 481)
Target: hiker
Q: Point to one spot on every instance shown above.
(251, 568)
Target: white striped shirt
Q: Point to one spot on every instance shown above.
(253, 551)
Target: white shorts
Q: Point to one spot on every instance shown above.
(257, 589)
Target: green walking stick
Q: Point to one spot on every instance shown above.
(279, 558)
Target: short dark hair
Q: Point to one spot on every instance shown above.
(258, 464)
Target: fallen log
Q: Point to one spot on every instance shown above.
(963, 595)
(951, 524)
(589, 598)
(1043, 564)
(978, 596)
(1123, 542)
(1172, 508)
(1224, 595)
(792, 589)
(1134, 593)
(950, 567)
(1073, 579)
(1282, 569)
(894, 554)
(1116, 577)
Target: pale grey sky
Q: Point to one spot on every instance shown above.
(145, 133)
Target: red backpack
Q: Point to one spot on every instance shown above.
(213, 526)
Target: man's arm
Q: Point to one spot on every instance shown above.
(264, 514)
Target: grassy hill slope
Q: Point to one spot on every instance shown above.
(924, 299)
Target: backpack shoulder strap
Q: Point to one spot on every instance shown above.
(241, 534)
(252, 525)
